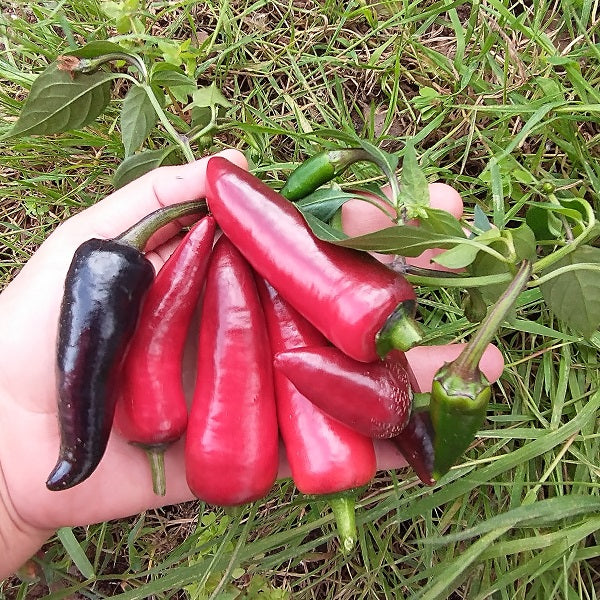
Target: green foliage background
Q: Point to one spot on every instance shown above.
(499, 98)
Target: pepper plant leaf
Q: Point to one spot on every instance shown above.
(414, 189)
(486, 264)
(324, 231)
(324, 202)
(95, 49)
(405, 240)
(465, 252)
(441, 221)
(168, 75)
(138, 117)
(137, 164)
(523, 240)
(391, 160)
(57, 102)
(543, 222)
(209, 96)
(573, 296)
(480, 219)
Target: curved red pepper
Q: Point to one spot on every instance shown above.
(374, 399)
(152, 409)
(232, 442)
(325, 456)
(347, 295)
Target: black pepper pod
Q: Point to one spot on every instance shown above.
(104, 290)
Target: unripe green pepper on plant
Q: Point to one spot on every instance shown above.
(461, 392)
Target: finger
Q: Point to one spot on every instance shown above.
(426, 360)
(360, 217)
(159, 256)
(126, 206)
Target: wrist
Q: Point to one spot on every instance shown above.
(19, 540)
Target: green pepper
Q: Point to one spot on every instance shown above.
(320, 169)
(461, 392)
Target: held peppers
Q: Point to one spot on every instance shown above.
(325, 456)
(374, 399)
(232, 448)
(359, 304)
(104, 288)
(152, 410)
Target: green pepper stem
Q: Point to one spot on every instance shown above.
(156, 458)
(400, 331)
(139, 234)
(351, 155)
(343, 508)
(467, 362)
(74, 64)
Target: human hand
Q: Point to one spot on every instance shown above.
(29, 438)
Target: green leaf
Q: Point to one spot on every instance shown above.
(441, 221)
(209, 96)
(543, 222)
(573, 296)
(95, 49)
(414, 189)
(324, 231)
(539, 514)
(524, 242)
(486, 264)
(480, 220)
(405, 240)
(75, 551)
(324, 202)
(137, 164)
(463, 254)
(381, 156)
(138, 117)
(57, 103)
(167, 75)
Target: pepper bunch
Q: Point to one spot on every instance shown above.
(298, 338)
(273, 296)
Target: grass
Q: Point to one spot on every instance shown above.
(496, 96)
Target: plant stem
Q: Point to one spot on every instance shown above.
(559, 254)
(179, 139)
(139, 234)
(468, 360)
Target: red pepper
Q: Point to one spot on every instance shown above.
(416, 440)
(374, 399)
(232, 452)
(325, 456)
(152, 410)
(358, 303)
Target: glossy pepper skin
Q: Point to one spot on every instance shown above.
(458, 408)
(461, 392)
(104, 289)
(347, 295)
(374, 399)
(152, 410)
(319, 169)
(232, 452)
(416, 442)
(325, 456)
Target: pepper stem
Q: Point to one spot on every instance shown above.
(139, 234)
(156, 458)
(400, 331)
(343, 508)
(468, 360)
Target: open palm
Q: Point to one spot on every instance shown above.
(29, 439)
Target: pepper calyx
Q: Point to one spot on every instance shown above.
(400, 330)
